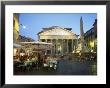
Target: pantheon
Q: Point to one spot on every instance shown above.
(63, 40)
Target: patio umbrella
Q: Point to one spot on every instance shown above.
(17, 45)
(36, 45)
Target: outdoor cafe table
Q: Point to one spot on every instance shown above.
(51, 63)
(28, 62)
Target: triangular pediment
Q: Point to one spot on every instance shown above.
(57, 31)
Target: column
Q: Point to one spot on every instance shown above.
(76, 43)
(54, 46)
(77, 40)
(45, 40)
(62, 47)
(72, 45)
(46, 46)
(51, 46)
(67, 45)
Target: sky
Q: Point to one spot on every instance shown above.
(34, 22)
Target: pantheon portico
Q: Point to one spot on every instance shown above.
(63, 39)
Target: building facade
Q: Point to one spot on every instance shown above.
(63, 39)
(15, 27)
(16, 36)
(25, 39)
(91, 37)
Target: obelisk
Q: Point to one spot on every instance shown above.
(81, 35)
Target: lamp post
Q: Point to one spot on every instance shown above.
(21, 26)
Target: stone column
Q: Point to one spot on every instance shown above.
(54, 45)
(77, 42)
(46, 46)
(72, 45)
(62, 47)
(67, 45)
(51, 47)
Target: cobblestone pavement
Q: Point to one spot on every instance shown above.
(67, 67)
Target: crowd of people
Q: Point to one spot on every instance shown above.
(34, 61)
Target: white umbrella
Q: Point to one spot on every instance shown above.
(36, 44)
(17, 45)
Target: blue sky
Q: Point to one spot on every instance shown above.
(34, 22)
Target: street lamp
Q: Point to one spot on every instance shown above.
(22, 27)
